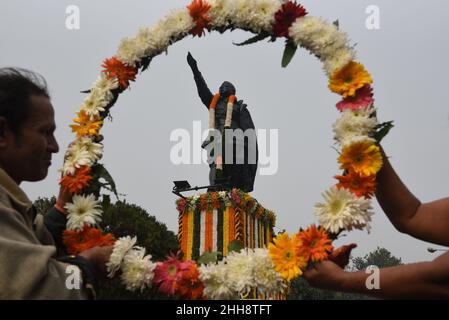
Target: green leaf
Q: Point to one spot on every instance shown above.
(289, 52)
(252, 40)
(101, 172)
(145, 63)
(208, 257)
(382, 130)
(337, 24)
(106, 203)
(235, 245)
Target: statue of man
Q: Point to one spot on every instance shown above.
(226, 113)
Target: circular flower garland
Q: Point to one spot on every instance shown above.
(346, 205)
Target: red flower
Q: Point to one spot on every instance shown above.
(357, 184)
(114, 68)
(285, 17)
(181, 205)
(77, 182)
(363, 99)
(79, 241)
(188, 285)
(198, 11)
(315, 244)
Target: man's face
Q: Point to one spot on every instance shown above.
(26, 156)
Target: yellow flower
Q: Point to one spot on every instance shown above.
(364, 158)
(284, 257)
(349, 79)
(86, 126)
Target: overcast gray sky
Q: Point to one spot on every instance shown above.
(407, 58)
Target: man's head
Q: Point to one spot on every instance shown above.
(26, 125)
(227, 89)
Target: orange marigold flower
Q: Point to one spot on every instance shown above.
(364, 158)
(114, 68)
(357, 184)
(198, 11)
(86, 126)
(79, 241)
(349, 79)
(315, 244)
(215, 202)
(77, 182)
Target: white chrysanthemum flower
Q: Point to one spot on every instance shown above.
(144, 42)
(330, 41)
(74, 160)
(103, 83)
(160, 39)
(350, 140)
(215, 280)
(83, 210)
(258, 15)
(129, 52)
(94, 151)
(338, 60)
(343, 211)
(95, 102)
(103, 87)
(304, 30)
(320, 37)
(240, 275)
(177, 23)
(266, 279)
(220, 12)
(121, 248)
(354, 125)
(137, 269)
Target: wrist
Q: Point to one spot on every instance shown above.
(60, 206)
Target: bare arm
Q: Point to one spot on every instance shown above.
(428, 221)
(425, 280)
(205, 94)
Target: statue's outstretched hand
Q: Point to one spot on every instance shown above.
(191, 61)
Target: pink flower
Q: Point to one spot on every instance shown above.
(234, 196)
(166, 273)
(362, 99)
(181, 205)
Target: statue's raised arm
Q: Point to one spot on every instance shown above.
(203, 90)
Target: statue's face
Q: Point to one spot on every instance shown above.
(227, 89)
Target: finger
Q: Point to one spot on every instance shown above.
(310, 274)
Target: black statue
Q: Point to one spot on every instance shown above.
(233, 175)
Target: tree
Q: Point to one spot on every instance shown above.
(381, 257)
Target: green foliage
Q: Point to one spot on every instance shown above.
(289, 52)
(382, 130)
(301, 290)
(252, 40)
(43, 205)
(208, 257)
(380, 257)
(235, 245)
